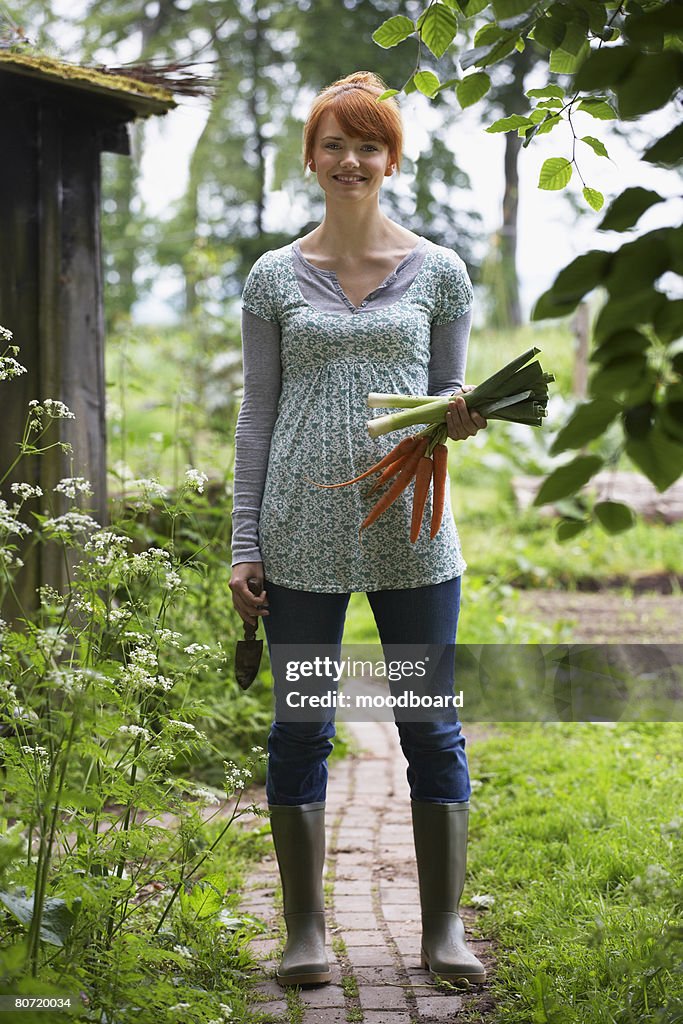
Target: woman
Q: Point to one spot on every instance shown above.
(359, 304)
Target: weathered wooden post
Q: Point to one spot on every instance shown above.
(57, 119)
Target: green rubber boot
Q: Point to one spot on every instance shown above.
(299, 838)
(440, 833)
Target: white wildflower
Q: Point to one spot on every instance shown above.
(52, 408)
(10, 368)
(71, 523)
(183, 951)
(226, 1011)
(134, 730)
(9, 522)
(26, 491)
(257, 750)
(182, 725)
(205, 796)
(180, 1006)
(168, 636)
(151, 488)
(197, 649)
(172, 580)
(165, 683)
(196, 479)
(71, 486)
(5, 334)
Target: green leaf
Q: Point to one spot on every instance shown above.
(549, 32)
(582, 275)
(568, 479)
(555, 91)
(393, 31)
(548, 124)
(586, 423)
(668, 323)
(629, 310)
(549, 306)
(627, 208)
(639, 263)
(638, 420)
(488, 34)
(556, 173)
(508, 124)
(620, 344)
(658, 457)
(668, 150)
(484, 55)
(614, 516)
(650, 82)
(605, 67)
(472, 7)
(438, 28)
(596, 145)
(571, 53)
(427, 83)
(568, 528)
(618, 375)
(594, 198)
(388, 93)
(471, 88)
(600, 109)
(675, 354)
(510, 8)
(57, 918)
(551, 104)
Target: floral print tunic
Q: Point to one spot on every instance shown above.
(309, 536)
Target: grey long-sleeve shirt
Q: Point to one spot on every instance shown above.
(262, 378)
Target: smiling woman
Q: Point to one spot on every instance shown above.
(359, 304)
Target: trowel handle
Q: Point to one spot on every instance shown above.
(254, 586)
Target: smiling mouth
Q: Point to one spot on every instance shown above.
(348, 179)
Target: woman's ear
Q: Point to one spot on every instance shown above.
(311, 165)
(390, 168)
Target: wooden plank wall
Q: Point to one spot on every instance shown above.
(51, 299)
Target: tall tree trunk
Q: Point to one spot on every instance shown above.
(508, 235)
(259, 141)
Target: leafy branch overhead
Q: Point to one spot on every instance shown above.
(614, 62)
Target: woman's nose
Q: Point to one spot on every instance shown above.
(349, 160)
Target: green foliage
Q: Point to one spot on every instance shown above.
(640, 70)
(106, 693)
(581, 822)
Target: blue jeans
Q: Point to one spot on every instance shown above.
(435, 750)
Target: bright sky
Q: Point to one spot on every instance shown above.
(551, 233)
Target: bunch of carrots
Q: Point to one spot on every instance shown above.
(517, 393)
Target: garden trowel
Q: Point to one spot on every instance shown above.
(248, 651)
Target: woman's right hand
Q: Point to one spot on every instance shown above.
(247, 605)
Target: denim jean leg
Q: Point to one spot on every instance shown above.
(437, 771)
(298, 751)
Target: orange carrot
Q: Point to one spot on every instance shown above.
(404, 447)
(423, 478)
(440, 455)
(399, 485)
(391, 470)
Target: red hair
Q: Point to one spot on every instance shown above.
(353, 101)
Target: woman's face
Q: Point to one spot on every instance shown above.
(348, 167)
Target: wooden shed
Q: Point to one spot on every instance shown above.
(57, 118)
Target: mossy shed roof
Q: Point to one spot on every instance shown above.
(140, 98)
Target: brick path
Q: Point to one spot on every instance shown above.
(373, 914)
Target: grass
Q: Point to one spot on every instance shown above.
(577, 835)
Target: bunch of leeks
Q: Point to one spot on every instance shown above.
(517, 393)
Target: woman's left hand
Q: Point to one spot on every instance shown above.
(462, 423)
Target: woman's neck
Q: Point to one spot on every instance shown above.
(347, 231)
